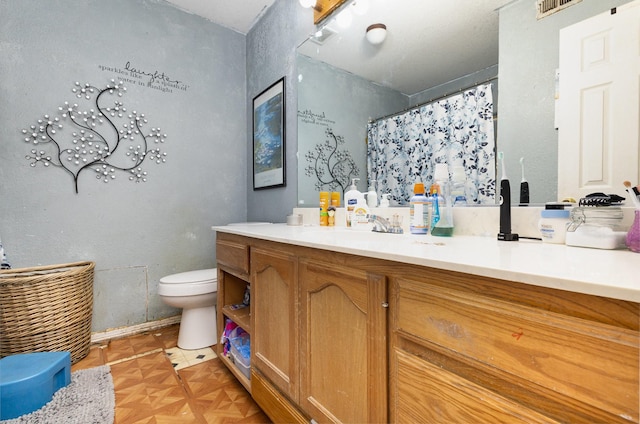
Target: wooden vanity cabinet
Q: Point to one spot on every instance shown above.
(318, 331)
(466, 348)
(448, 346)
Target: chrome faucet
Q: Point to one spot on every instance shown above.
(382, 225)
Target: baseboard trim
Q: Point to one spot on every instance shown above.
(133, 329)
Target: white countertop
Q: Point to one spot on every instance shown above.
(608, 273)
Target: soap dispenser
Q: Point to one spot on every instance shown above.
(351, 200)
(384, 200)
(372, 196)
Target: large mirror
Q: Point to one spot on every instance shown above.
(433, 49)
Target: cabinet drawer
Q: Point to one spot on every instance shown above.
(594, 363)
(426, 393)
(233, 255)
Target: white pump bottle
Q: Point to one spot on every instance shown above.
(372, 196)
(351, 200)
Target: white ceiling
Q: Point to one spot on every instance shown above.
(444, 39)
(239, 15)
(429, 42)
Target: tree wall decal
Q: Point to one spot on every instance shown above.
(98, 134)
(333, 168)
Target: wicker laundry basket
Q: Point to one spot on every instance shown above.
(47, 308)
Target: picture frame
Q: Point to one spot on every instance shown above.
(269, 137)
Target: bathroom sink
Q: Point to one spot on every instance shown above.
(339, 235)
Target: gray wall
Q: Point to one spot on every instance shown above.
(343, 102)
(135, 232)
(271, 54)
(528, 61)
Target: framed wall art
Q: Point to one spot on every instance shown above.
(269, 137)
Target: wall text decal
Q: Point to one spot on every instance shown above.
(315, 118)
(155, 79)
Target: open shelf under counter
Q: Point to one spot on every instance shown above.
(241, 316)
(235, 371)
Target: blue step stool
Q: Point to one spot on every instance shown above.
(29, 380)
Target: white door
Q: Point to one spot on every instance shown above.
(599, 116)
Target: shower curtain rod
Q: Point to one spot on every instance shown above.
(444, 96)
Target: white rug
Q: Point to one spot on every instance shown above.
(88, 399)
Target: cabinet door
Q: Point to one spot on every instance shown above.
(274, 340)
(343, 349)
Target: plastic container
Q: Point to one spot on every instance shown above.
(420, 211)
(360, 215)
(372, 196)
(335, 199)
(442, 203)
(324, 206)
(241, 354)
(553, 225)
(350, 200)
(334, 204)
(458, 186)
(596, 227)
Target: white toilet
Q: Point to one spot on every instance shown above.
(196, 292)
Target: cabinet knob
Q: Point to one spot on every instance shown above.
(385, 304)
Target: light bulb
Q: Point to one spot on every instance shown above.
(307, 3)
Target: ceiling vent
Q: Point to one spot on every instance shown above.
(323, 35)
(549, 7)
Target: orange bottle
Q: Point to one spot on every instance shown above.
(335, 199)
(335, 204)
(324, 206)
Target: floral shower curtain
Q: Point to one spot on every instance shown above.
(458, 130)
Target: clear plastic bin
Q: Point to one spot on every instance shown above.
(241, 353)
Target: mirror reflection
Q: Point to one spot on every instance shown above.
(345, 81)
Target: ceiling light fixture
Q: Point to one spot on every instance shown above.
(376, 33)
(308, 3)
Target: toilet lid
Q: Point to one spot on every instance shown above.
(198, 276)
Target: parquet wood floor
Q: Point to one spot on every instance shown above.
(148, 390)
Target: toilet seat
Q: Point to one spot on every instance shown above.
(190, 283)
(201, 275)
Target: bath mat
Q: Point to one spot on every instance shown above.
(88, 399)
